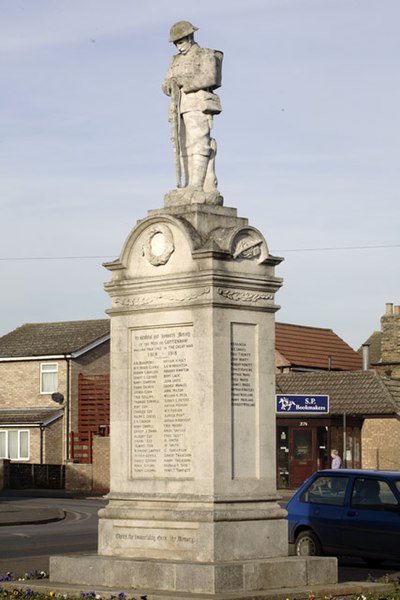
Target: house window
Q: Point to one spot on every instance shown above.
(48, 378)
(14, 444)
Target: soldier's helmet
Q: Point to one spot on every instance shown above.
(180, 30)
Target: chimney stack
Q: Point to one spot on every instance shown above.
(390, 340)
(365, 357)
(389, 308)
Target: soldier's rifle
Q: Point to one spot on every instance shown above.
(175, 129)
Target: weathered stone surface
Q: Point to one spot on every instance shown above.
(193, 505)
(236, 577)
(183, 196)
(193, 75)
(321, 571)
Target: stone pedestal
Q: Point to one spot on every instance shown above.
(193, 503)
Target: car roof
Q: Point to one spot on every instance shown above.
(360, 472)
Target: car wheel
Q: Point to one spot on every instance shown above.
(307, 544)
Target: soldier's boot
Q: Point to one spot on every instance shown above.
(197, 171)
(211, 181)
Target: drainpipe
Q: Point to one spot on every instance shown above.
(67, 407)
(41, 444)
(365, 357)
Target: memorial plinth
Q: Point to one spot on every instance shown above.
(193, 503)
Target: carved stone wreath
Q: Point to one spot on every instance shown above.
(247, 247)
(159, 245)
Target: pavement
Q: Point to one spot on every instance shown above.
(25, 514)
(15, 509)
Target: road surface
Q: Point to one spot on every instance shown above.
(24, 548)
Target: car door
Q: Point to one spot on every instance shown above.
(371, 523)
(323, 505)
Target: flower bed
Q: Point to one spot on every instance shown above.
(27, 593)
(9, 590)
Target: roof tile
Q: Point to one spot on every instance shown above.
(311, 347)
(47, 339)
(28, 416)
(351, 392)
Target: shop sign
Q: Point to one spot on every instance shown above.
(311, 404)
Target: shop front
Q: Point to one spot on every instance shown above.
(304, 446)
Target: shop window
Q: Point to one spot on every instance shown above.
(302, 444)
(283, 456)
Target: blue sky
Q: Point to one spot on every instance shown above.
(309, 146)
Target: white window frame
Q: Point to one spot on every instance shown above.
(44, 372)
(6, 432)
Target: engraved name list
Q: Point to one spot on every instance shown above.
(161, 399)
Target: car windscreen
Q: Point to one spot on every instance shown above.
(326, 489)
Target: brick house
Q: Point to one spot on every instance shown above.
(41, 364)
(44, 369)
(364, 412)
(363, 424)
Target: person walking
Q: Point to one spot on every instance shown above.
(336, 460)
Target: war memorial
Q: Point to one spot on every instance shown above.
(193, 508)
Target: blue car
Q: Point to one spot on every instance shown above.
(347, 512)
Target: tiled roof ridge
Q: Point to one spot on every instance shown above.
(335, 373)
(70, 322)
(304, 326)
(36, 409)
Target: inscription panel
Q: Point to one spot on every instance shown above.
(244, 377)
(145, 538)
(162, 394)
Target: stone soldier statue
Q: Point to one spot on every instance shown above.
(192, 77)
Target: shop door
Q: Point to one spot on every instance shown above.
(303, 461)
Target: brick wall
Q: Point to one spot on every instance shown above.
(390, 340)
(34, 444)
(93, 477)
(101, 463)
(20, 384)
(78, 478)
(53, 443)
(380, 444)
